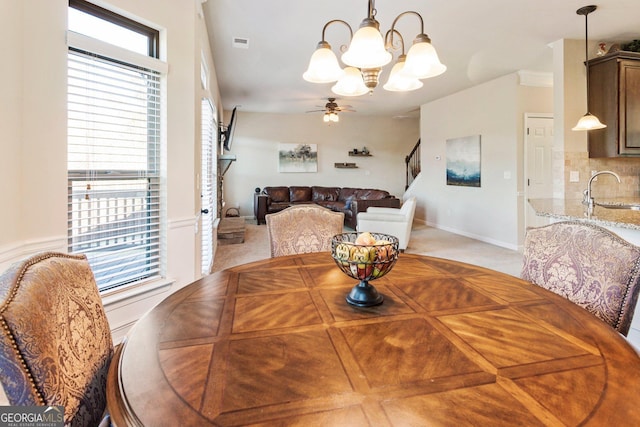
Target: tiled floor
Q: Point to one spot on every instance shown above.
(424, 240)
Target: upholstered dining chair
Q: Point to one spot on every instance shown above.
(587, 264)
(393, 221)
(302, 229)
(55, 345)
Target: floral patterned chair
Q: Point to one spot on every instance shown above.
(302, 229)
(587, 264)
(55, 345)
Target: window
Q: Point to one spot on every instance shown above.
(208, 192)
(114, 145)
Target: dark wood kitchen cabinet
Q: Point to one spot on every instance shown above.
(614, 97)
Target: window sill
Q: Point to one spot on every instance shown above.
(136, 292)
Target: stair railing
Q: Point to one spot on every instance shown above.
(412, 164)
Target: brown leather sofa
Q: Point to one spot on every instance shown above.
(350, 201)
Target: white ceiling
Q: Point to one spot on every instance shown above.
(476, 40)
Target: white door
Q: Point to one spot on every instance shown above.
(538, 172)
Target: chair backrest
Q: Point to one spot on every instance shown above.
(55, 344)
(409, 208)
(587, 264)
(302, 229)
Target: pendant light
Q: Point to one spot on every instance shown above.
(588, 121)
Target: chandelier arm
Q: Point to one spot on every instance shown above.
(324, 29)
(333, 21)
(388, 40)
(409, 12)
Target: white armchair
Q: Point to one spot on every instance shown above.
(396, 222)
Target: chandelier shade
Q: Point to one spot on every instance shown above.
(367, 48)
(422, 59)
(350, 84)
(368, 51)
(399, 81)
(323, 66)
(588, 121)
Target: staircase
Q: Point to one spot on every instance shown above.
(412, 165)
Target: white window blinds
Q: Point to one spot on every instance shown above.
(114, 167)
(209, 137)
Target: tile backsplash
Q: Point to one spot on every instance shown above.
(606, 186)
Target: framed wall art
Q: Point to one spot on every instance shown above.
(463, 161)
(297, 158)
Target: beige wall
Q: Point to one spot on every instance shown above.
(256, 146)
(495, 110)
(33, 217)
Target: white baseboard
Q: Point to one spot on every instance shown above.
(473, 236)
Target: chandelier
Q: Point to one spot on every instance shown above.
(368, 52)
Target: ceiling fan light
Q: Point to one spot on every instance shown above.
(326, 117)
(422, 59)
(323, 66)
(350, 84)
(589, 122)
(333, 116)
(400, 82)
(367, 48)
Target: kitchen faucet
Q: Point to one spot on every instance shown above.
(588, 200)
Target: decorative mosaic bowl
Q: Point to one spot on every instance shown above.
(364, 263)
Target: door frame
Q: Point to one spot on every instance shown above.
(525, 169)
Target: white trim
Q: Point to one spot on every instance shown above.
(89, 44)
(20, 250)
(473, 236)
(182, 223)
(123, 295)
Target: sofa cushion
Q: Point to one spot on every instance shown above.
(372, 194)
(277, 194)
(277, 206)
(299, 194)
(321, 194)
(347, 192)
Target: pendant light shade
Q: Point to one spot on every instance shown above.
(588, 121)
(323, 66)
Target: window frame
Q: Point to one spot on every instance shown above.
(118, 56)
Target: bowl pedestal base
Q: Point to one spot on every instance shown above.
(364, 295)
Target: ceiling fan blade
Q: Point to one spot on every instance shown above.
(316, 111)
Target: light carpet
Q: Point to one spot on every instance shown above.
(424, 240)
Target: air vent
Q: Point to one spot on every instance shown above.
(240, 43)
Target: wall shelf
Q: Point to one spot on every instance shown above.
(359, 154)
(345, 165)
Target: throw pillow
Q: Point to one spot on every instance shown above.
(347, 204)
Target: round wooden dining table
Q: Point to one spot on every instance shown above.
(274, 343)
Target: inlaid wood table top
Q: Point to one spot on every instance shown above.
(274, 343)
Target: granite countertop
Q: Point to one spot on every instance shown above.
(573, 209)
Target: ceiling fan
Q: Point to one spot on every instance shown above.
(331, 110)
